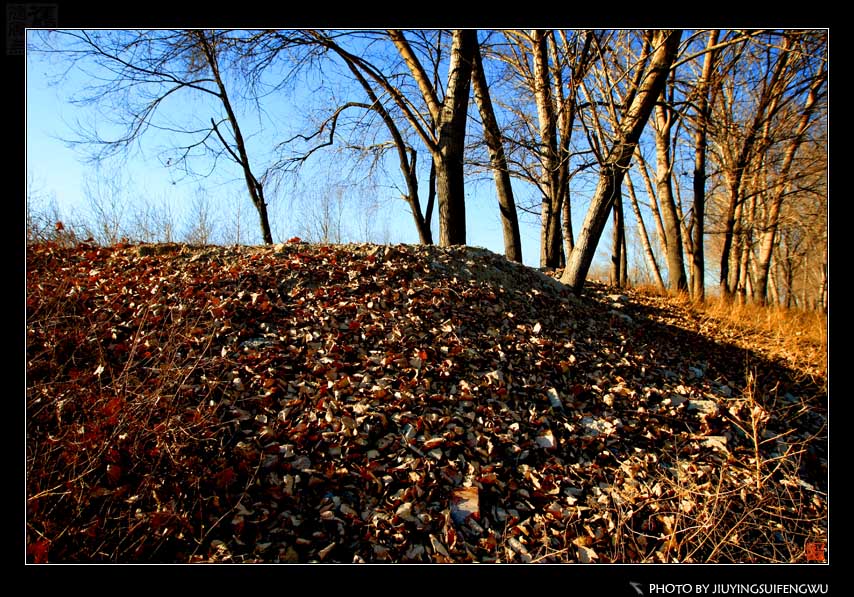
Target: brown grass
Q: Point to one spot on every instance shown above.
(796, 335)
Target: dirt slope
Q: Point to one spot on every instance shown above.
(367, 403)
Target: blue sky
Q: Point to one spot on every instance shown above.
(61, 171)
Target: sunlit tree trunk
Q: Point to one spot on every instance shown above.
(612, 171)
(742, 283)
(451, 125)
(773, 292)
(656, 212)
(448, 145)
(565, 120)
(824, 282)
(644, 237)
(498, 162)
(664, 188)
(550, 235)
(765, 106)
(698, 260)
(772, 220)
(618, 254)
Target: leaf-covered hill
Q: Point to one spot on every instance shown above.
(365, 403)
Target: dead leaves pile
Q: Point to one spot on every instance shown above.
(362, 403)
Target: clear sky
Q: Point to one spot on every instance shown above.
(59, 170)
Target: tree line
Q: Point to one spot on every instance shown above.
(715, 141)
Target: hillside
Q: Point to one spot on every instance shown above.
(367, 403)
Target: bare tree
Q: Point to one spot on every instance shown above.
(544, 70)
(498, 161)
(772, 219)
(153, 221)
(450, 116)
(737, 150)
(619, 254)
(107, 195)
(645, 88)
(761, 112)
(45, 221)
(644, 237)
(323, 217)
(662, 125)
(138, 74)
(406, 154)
(200, 224)
(703, 86)
(550, 233)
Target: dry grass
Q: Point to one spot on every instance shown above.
(795, 328)
(797, 336)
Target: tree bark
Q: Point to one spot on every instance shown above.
(823, 293)
(498, 161)
(698, 259)
(565, 121)
(618, 255)
(742, 283)
(407, 166)
(774, 285)
(644, 237)
(765, 107)
(568, 240)
(653, 200)
(772, 221)
(450, 117)
(253, 185)
(664, 188)
(636, 115)
(550, 235)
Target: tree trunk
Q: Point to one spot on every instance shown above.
(431, 198)
(550, 236)
(256, 192)
(789, 279)
(407, 165)
(729, 230)
(578, 264)
(451, 194)
(565, 120)
(772, 221)
(624, 254)
(743, 280)
(568, 240)
(766, 106)
(619, 257)
(451, 125)
(448, 145)
(664, 188)
(498, 161)
(653, 200)
(618, 234)
(823, 295)
(698, 259)
(636, 115)
(644, 237)
(773, 285)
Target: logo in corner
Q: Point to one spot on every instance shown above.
(815, 551)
